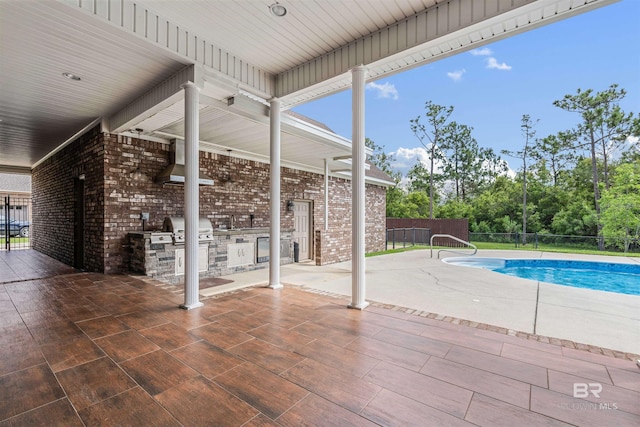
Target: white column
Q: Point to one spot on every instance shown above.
(359, 77)
(191, 195)
(274, 202)
(326, 194)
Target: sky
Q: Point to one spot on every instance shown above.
(493, 86)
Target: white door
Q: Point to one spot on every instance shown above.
(302, 228)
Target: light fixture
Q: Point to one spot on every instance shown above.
(71, 76)
(278, 10)
(290, 205)
(138, 175)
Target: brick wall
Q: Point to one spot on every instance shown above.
(52, 230)
(129, 166)
(334, 245)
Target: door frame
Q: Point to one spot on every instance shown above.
(311, 236)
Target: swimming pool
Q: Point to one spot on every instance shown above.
(603, 276)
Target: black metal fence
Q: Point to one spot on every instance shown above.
(537, 240)
(15, 223)
(403, 237)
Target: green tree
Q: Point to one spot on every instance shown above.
(576, 219)
(395, 195)
(395, 202)
(382, 160)
(420, 179)
(603, 125)
(556, 152)
(429, 135)
(502, 198)
(454, 208)
(621, 207)
(419, 204)
(528, 133)
(467, 165)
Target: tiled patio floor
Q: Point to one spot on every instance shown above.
(92, 349)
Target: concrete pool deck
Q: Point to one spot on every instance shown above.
(414, 281)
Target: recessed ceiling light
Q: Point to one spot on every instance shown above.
(278, 10)
(71, 76)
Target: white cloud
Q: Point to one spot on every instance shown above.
(385, 90)
(485, 51)
(456, 75)
(510, 172)
(407, 157)
(493, 63)
(632, 139)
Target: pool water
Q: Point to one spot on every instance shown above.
(603, 276)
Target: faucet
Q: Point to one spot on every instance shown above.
(233, 221)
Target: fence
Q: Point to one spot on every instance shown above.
(403, 237)
(15, 222)
(455, 227)
(535, 240)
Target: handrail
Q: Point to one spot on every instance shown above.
(475, 248)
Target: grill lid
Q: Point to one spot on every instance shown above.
(175, 225)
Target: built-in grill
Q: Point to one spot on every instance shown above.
(175, 225)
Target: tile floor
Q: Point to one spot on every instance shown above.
(114, 350)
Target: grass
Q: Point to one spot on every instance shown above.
(550, 248)
(15, 240)
(395, 251)
(511, 247)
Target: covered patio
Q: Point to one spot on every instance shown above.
(93, 349)
(96, 91)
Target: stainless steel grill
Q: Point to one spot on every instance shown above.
(175, 225)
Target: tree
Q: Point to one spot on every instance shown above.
(458, 149)
(467, 165)
(556, 152)
(429, 135)
(456, 209)
(498, 200)
(382, 160)
(395, 196)
(528, 132)
(621, 206)
(395, 202)
(576, 219)
(603, 125)
(420, 179)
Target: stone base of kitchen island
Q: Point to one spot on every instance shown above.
(229, 252)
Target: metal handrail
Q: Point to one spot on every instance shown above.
(475, 248)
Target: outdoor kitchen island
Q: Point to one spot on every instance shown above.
(159, 255)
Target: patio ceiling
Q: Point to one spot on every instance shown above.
(131, 58)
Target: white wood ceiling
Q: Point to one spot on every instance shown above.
(309, 29)
(121, 50)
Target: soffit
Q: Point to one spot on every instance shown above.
(310, 28)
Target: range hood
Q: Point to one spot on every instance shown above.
(174, 173)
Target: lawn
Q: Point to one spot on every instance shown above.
(15, 241)
(511, 247)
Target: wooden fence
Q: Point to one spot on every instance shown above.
(456, 227)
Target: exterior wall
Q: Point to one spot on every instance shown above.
(119, 186)
(52, 230)
(334, 245)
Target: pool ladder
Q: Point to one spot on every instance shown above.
(475, 249)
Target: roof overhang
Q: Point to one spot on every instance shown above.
(133, 57)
